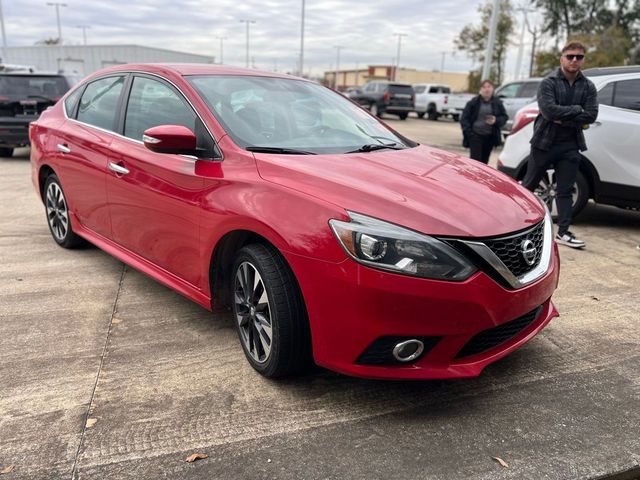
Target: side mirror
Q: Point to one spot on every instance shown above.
(176, 139)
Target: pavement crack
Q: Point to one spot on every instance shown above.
(74, 470)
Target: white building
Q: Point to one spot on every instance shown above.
(85, 59)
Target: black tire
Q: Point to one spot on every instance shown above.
(56, 210)
(403, 116)
(456, 118)
(420, 114)
(6, 152)
(289, 348)
(548, 184)
(375, 111)
(432, 113)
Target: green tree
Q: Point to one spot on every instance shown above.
(473, 40)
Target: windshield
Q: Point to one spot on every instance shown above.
(34, 86)
(281, 113)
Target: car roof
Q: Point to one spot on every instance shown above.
(597, 72)
(185, 69)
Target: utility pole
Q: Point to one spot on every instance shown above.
(4, 36)
(395, 72)
(60, 49)
(247, 22)
(525, 24)
(335, 83)
(444, 54)
(222, 39)
(301, 69)
(84, 33)
(488, 55)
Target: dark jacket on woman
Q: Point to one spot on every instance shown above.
(557, 101)
(470, 113)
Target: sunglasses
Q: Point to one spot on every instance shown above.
(574, 57)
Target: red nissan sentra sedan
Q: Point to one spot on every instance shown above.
(332, 237)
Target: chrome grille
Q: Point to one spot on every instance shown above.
(509, 249)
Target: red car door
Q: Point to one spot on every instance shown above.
(83, 148)
(154, 198)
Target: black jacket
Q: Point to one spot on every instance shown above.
(555, 104)
(470, 113)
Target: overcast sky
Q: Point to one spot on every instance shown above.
(364, 28)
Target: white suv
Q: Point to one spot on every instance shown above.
(610, 169)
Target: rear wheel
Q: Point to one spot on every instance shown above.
(403, 116)
(456, 118)
(57, 210)
(547, 190)
(6, 152)
(432, 113)
(375, 111)
(270, 315)
(420, 114)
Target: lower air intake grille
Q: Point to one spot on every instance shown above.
(488, 339)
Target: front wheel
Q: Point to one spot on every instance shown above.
(57, 210)
(375, 111)
(403, 116)
(6, 152)
(547, 192)
(270, 314)
(420, 114)
(456, 118)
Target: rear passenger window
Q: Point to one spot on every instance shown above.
(529, 90)
(152, 103)
(420, 89)
(71, 102)
(99, 102)
(627, 94)
(605, 96)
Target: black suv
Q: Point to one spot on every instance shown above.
(23, 97)
(387, 97)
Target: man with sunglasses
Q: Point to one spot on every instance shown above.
(568, 103)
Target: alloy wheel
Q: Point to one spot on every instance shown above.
(253, 312)
(57, 212)
(547, 191)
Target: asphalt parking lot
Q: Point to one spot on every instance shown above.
(106, 374)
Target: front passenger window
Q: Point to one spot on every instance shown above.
(152, 103)
(627, 94)
(99, 102)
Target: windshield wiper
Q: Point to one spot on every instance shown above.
(286, 151)
(370, 147)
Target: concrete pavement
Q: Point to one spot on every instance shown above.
(106, 374)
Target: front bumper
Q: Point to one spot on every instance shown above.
(351, 306)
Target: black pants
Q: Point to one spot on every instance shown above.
(481, 146)
(564, 158)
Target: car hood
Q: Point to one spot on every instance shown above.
(422, 188)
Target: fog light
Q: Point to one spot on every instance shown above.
(408, 350)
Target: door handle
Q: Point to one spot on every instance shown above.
(63, 148)
(114, 167)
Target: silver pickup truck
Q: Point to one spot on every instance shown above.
(435, 101)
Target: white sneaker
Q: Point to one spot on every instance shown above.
(570, 240)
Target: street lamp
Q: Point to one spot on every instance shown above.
(302, 42)
(395, 72)
(335, 83)
(222, 39)
(247, 22)
(488, 56)
(4, 36)
(84, 33)
(60, 51)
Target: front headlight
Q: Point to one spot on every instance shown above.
(386, 246)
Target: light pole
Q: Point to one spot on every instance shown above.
(338, 48)
(60, 51)
(395, 72)
(247, 22)
(222, 39)
(488, 55)
(444, 54)
(300, 72)
(4, 36)
(84, 33)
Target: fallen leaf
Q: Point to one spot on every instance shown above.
(501, 461)
(196, 456)
(91, 422)
(595, 298)
(7, 469)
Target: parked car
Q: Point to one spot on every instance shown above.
(23, 96)
(352, 92)
(330, 236)
(610, 169)
(437, 100)
(381, 96)
(515, 95)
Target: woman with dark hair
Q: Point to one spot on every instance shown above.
(481, 122)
